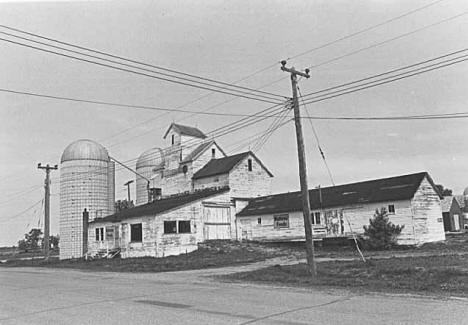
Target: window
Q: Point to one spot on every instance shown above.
(259, 221)
(99, 234)
(170, 227)
(172, 139)
(281, 221)
(315, 218)
(136, 235)
(213, 152)
(184, 227)
(249, 164)
(391, 209)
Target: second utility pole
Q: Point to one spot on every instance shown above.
(47, 169)
(312, 268)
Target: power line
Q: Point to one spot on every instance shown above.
(389, 40)
(393, 118)
(219, 132)
(388, 72)
(136, 72)
(126, 59)
(378, 82)
(367, 29)
(322, 154)
(22, 212)
(98, 102)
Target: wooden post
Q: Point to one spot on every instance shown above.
(302, 170)
(47, 169)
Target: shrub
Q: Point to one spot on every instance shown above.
(381, 233)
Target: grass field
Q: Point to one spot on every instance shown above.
(439, 275)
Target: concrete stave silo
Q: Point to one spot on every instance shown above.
(86, 182)
(149, 164)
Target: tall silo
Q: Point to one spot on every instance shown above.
(149, 164)
(86, 182)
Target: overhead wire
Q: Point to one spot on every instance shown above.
(382, 81)
(319, 146)
(184, 83)
(126, 59)
(252, 74)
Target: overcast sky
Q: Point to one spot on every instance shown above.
(228, 40)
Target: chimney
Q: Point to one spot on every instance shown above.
(85, 231)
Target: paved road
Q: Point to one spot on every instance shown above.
(48, 296)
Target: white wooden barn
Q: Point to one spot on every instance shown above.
(411, 200)
(199, 191)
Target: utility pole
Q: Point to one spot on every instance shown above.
(47, 169)
(302, 169)
(128, 189)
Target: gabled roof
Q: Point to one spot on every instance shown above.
(447, 202)
(185, 130)
(201, 149)
(379, 190)
(460, 200)
(225, 165)
(162, 205)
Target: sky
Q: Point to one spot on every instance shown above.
(227, 41)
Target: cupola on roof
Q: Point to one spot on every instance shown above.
(84, 149)
(153, 157)
(185, 130)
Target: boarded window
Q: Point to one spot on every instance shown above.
(281, 221)
(249, 163)
(184, 227)
(391, 209)
(136, 233)
(110, 233)
(170, 227)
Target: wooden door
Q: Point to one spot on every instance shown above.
(217, 222)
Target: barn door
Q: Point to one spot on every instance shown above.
(217, 222)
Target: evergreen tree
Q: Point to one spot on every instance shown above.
(381, 232)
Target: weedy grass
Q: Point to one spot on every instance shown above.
(440, 275)
(217, 254)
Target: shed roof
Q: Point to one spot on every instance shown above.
(160, 206)
(224, 165)
(379, 190)
(186, 130)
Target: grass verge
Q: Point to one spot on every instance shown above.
(437, 275)
(207, 256)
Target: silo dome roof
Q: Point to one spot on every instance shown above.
(151, 158)
(85, 149)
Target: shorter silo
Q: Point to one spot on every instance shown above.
(149, 164)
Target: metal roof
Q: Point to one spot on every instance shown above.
(379, 190)
(84, 149)
(224, 165)
(186, 130)
(162, 205)
(153, 157)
